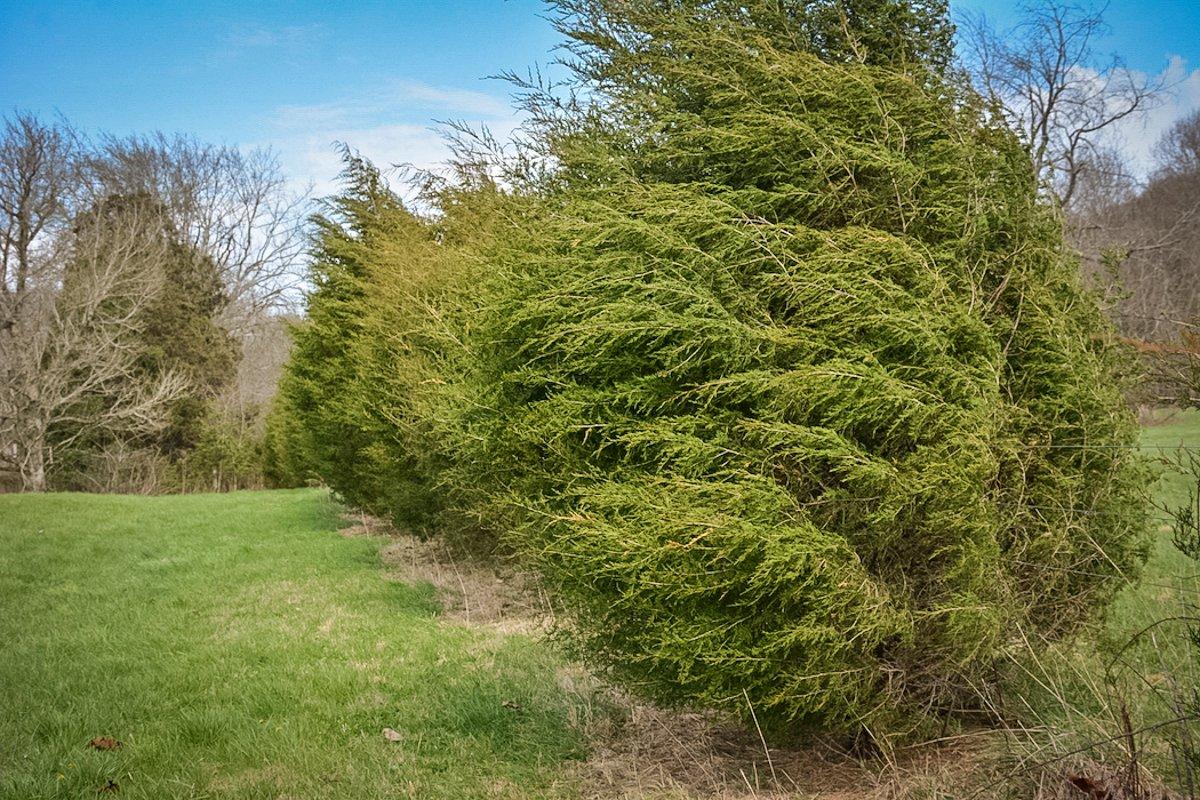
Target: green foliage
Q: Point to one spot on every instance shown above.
(359, 402)
(286, 462)
(180, 333)
(877, 32)
(792, 391)
(780, 375)
(224, 457)
(330, 385)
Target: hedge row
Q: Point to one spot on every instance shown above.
(776, 370)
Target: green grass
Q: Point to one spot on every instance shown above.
(240, 648)
(1166, 579)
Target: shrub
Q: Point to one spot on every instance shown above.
(358, 403)
(788, 387)
(321, 388)
(225, 457)
(286, 462)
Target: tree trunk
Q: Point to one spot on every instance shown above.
(33, 467)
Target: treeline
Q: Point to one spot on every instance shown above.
(1142, 246)
(139, 283)
(762, 345)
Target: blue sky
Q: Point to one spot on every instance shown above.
(297, 76)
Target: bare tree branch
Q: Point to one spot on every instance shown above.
(231, 206)
(75, 287)
(1046, 80)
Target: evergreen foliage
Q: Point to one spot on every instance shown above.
(176, 332)
(316, 387)
(371, 349)
(610, 36)
(780, 375)
(180, 333)
(286, 460)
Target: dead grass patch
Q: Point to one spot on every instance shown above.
(471, 590)
(646, 752)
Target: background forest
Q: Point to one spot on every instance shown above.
(145, 290)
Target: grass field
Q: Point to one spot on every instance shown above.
(239, 647)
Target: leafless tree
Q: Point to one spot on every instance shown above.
(265, 348)
(68, 358)
(36, 164)
(1145, 238)
(231, 206)
(1164, 223)
(1045, 78)
(1178, 151)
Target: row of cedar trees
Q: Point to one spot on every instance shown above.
(759, 347)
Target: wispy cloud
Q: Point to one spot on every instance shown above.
(1137, 137)
(255, 36)
(391, 126)
(401, 98)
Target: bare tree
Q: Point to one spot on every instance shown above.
(231, 206)
(1162, 274)
(1044, 77)
(1178, 152)
(1140, 240)
(36, 162)
(265, 350)
(68, 357)
(75, 285)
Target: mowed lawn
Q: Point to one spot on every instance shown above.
(239, 647)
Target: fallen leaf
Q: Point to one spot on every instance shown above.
(109, 787)
(391, 735)
(104, 743)
(1090, 788)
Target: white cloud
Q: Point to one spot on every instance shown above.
(249, 36)
(399, 98)
(1138, 136)
(391, 126)
(313, 159)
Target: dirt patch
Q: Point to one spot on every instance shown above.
(472, 591)
(365, 525)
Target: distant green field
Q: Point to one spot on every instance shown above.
(239, 647)
(1169, 579)
(1161, 585)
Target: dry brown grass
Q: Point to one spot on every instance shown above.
(648, 752)
(471, 590)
